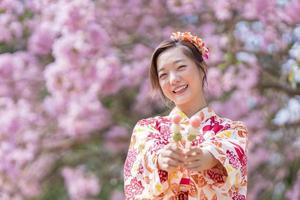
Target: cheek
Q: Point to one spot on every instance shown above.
(197, 83)
(164, 87)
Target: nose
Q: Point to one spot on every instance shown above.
(174, 78)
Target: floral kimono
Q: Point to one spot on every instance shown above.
(225, 139)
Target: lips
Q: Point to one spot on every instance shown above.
(180, 89)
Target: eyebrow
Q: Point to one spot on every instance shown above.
(176, 61)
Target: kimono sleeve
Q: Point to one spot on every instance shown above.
(229, 147)
(142, 177)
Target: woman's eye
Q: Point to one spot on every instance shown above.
(162, 75)
(181, 66)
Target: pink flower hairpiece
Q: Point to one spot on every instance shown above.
(188, 37)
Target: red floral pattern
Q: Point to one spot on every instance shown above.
(213, 125)
(198, 140)
(134, 188)
(217, 174)
(237, 196)
(233, 160)
(163, 175)
(182, 196)
(131, 157)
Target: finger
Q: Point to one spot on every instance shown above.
(194, 152)
(167, 167)
(189, 159)
(179, 159)
(180, 152)
(170, 145)
(176, 148)
(196, 169)
(168, 162)
(194, 149)
(178, 155)
(193, 165)
(173, 163)
(171, 155)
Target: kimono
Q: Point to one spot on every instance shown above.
(225, 139)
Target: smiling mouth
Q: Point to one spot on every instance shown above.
(180, 89)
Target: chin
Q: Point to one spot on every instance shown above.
(182, 101)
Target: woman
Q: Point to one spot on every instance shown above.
(214, 166)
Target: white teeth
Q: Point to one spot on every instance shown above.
(180, 88)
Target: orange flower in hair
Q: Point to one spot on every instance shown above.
(188, 37)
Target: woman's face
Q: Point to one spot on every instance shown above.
(179, 77)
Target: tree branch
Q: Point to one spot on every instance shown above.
(281, 87)
(295, 124)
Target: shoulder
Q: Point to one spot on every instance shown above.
(233, 124)
(153, 121)
(239, 125)
(150, 126)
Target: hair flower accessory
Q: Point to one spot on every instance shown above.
(188, 37)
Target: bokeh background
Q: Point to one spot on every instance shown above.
(73, 82)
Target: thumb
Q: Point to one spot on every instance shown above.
(195, 151)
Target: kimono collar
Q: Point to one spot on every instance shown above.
(204, 114)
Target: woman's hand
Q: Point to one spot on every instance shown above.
(197, 159)
(170, 157)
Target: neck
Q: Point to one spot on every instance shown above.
(192, 108)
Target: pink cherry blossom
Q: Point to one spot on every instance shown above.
(41, 40)
(115, 139)
(80, 183)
